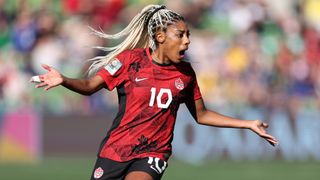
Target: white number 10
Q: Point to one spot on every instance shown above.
(161, 92)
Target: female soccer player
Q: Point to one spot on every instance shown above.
(151, 79)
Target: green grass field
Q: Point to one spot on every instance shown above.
(80, 168)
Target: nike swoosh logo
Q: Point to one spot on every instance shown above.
(140, 79)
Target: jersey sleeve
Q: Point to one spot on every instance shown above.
(193, 88)
(114, 73)
(196, 90)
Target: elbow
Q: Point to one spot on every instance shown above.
(200, 119)
(86, 92)
(199, 122)
(89, 90)
(89, 93)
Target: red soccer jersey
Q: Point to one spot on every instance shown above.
(149, 98)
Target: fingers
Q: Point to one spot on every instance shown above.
(48, 87)
(44, 80)
(263, 131)
(260, 129)
(265, 135)
(272, 140)
(265, 125)
(41, 85)
(48, 68)
(35, 79)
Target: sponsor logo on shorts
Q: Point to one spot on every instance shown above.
(98, 173)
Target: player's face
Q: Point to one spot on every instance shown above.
(177, 41)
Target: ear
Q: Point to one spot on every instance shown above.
(160, 37)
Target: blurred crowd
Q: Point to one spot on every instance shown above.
(246, 53)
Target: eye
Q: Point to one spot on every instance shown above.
(180, 35)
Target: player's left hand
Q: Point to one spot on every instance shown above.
(260, 127)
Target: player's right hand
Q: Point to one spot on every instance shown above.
(49, 80)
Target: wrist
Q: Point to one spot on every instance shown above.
(251, 124)
(64, 80)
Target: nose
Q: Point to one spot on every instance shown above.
(186, 40)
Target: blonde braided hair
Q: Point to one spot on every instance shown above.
(140, 34)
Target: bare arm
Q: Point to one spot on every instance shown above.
(82, 86)
(211, 118)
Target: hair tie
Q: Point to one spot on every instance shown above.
(155, 11)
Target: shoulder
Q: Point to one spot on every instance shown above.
(186, 64)
(132, 52)
(130, 55)
(186, 67)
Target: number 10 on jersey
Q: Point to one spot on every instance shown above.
(159, 96)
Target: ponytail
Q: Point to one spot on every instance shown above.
(140, 34)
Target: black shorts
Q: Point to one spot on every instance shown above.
(107, 169)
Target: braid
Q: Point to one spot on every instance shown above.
(159, 22)
(140, 33)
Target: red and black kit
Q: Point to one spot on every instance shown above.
(149, 98)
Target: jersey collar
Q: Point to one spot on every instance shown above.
(148, 51)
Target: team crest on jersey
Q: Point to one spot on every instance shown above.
(113, 66)
(98, 173)
(179, 84)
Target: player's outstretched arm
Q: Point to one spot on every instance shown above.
(211, 118)
(54, 78)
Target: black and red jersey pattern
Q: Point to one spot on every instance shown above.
(149, 98)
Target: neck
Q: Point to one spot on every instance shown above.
(159, 57)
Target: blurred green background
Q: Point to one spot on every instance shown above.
(254, 59)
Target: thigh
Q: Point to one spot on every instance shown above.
(154, 167)
(107, 169)
(134, 175)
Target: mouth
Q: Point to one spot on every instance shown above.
(182, 53)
